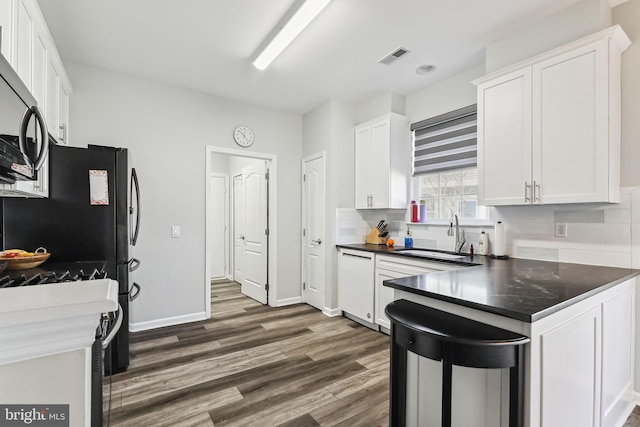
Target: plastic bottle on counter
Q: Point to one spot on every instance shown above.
(408, 240)
(423, 211)
(414, 212)
(483, 244)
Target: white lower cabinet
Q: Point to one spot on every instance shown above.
(589, 358)
(355, 283)
(395, 267)
(571, 368)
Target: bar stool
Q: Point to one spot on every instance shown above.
(454, 340)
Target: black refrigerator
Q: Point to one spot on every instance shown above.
(92, 214)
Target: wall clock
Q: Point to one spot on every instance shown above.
(243, 136)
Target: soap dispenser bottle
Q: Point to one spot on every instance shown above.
(408, 240)
(483, 244)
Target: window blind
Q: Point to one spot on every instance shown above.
(444, 142)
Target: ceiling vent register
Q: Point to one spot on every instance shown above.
(394, 56)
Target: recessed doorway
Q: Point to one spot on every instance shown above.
(240, 237)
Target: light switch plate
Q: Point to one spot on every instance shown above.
(175, 231)
(561, 229)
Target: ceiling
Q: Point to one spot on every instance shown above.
(208, 45)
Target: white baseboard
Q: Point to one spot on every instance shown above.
(288, 301)
(167, 321)
(331, 312)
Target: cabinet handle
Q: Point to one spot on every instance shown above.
(526, 192)
(63, 131)
(356, 256)
(536, 192)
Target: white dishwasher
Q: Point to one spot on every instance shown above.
(355, 283)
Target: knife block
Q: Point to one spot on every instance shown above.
(375, 239)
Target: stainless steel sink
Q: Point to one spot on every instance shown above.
(431, 254)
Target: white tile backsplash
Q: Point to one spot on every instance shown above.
(600, 234)
(617, 216)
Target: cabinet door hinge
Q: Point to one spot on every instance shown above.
(304, 177)
(266, 287)
(266, 231)
(304, 285)
(304, 232)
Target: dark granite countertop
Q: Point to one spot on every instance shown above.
(521, 289)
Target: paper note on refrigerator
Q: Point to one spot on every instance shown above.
(99, 187)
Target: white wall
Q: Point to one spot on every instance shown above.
(449, 94)
(329, 128)
(386, 103)
(166, 130)
(219, 163)
(582, 19)
(236, 163)
(627, 16)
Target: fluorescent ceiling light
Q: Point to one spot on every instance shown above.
(289, 31)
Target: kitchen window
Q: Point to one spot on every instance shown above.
(450, 192)
(444, 165)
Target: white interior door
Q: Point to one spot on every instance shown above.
(254, 182)
(313, 240)
(218, 223)
(238, 229)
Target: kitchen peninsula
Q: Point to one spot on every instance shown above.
(581, 322)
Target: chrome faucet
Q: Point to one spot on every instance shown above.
(460, 240)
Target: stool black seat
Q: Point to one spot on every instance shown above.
(454, 340)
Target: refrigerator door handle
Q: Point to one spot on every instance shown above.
(44, 137)
(133, 295)
(134, 264)
(134, 186)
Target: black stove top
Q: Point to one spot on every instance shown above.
(54, 273)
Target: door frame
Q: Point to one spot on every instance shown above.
(320, 155)
(272, 245)
(227, 220)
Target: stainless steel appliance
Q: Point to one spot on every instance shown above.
(73, 229)
(23, 131)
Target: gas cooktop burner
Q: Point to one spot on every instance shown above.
(54, 273)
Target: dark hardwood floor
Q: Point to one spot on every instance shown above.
(254, 365)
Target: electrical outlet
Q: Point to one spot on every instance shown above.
(175, 231)
(561, 229)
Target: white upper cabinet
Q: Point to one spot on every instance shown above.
(504, 139)
(549, 127)
(24, 43)
(29, 48)
(6, 33)
(27, 44)
(382, 163)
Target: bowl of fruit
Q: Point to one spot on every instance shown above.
(19, 259)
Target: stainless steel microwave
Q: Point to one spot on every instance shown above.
(24, 138)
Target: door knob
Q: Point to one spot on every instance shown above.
(317, 242)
